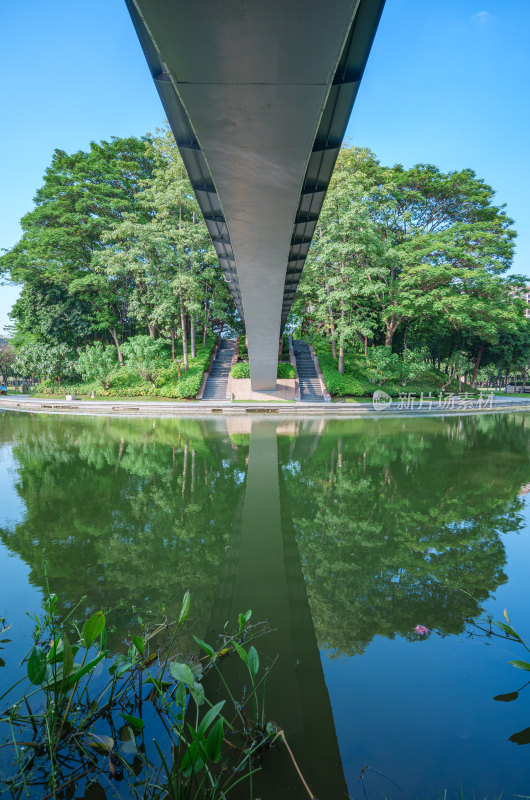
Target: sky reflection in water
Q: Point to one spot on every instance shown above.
(347, 534)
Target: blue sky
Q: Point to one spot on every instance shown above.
(446, 83)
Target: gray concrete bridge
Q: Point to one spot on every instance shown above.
(258, 94)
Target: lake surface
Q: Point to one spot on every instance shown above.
(345, 534)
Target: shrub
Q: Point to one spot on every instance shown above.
(97, 362)
(383, 365)
(146, 355)
(286, 371)
(242, 370)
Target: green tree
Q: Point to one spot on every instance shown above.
(45, 361)
(83, 194)
(7, 359)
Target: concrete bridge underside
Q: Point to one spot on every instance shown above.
(258, 94)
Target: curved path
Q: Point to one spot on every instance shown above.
(202, 408)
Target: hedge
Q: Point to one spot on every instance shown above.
(242, 370)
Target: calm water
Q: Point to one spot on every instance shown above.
(345, 534)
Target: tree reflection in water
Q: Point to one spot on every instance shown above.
(375, 526)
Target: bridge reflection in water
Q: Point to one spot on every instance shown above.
(262, 571)
(344, 533)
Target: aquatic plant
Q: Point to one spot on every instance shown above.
(84, 716)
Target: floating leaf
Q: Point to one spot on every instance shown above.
(37, 666)
(92, 628)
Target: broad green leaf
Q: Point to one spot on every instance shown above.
(243, 619)
(209, 717)
(253, 661)
(195, 756)
(185, 609)
(181, 672)
(139, 643)
(68, 656)
(206, 647)
(180, 696)
(92, 628)
(197, 692)
(509, 630)
(136, 722)
(37, 666)
(520, 664)
(197, 670)
(60, 680)
(214, 741)
(242, 653)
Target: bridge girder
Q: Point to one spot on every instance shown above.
(258, 95)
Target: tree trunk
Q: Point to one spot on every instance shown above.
(341, 359)
(524, 378)
(405, 339)
(152, 331)
(206, 320)
(391, 326)
(477, 365)
(365, 346)
(193, 330)
(334, 347)
(184, 334)
(341, 346)
(172, 344)
(114, 334)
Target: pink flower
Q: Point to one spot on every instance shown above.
(421, 630)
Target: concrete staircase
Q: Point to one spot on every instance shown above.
(217, 382)
(310, 388)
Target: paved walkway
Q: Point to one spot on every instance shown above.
(202, 408)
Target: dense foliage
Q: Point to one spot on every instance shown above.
(413, 260)
(407, 263)
(115, 252)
